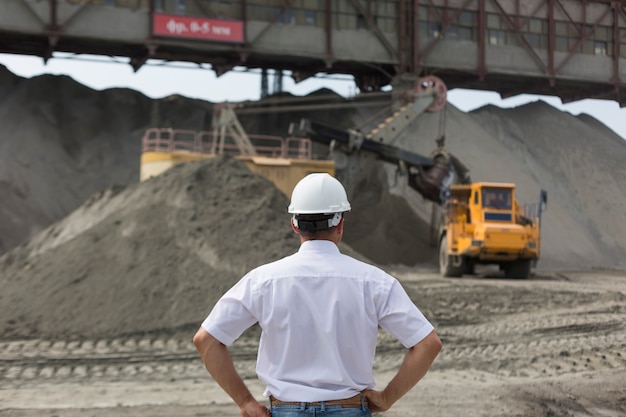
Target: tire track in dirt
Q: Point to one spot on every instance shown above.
(24, 361)
(529, 331)
(533, 328)
(544, 356)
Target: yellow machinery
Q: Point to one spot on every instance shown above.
(283, 172)
(284, 161)
(482, 223)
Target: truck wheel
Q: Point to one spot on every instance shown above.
(446, 267)
(518, 269)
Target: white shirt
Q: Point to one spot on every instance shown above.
(319, 312)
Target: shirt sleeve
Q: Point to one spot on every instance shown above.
(231, 315)
(402, 319)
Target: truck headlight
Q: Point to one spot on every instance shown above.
(478, 243)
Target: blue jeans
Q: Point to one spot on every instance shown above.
(323, 410)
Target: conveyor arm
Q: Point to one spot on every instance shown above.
(355, 141)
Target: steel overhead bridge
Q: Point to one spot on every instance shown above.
(565, 48)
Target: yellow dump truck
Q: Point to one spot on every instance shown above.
(482, 223)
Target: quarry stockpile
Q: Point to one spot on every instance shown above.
(61, 142)
(149, 256)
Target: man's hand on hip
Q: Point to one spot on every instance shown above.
(254, 408)
(376, 401)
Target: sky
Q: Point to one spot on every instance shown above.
(158, 80)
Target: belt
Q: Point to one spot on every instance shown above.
(352, 402)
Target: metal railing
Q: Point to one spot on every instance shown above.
(210, 143)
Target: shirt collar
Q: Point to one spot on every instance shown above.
(324, 246)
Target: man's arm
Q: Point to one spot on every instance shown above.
(415, 365)
(220, 365)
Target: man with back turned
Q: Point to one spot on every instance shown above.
(319, 311)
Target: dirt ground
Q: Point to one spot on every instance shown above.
(553, 345)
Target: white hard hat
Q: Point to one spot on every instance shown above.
(318, 193)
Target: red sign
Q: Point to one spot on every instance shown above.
(198, 28)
